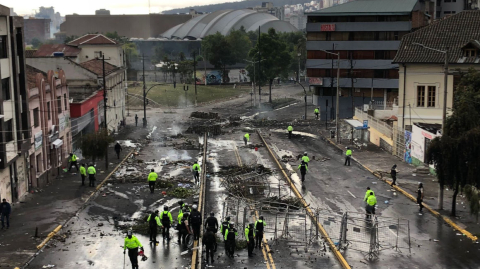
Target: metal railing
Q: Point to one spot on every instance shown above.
(381, 105)
(377, 124)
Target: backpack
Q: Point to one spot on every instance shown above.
(196, 218)
(165, 218)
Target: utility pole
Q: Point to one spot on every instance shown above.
(144, 94)
(337, 117)
(185, 90)
(105, 105)
(352, 90)
(195, 76)
(331, 85)
(371, 96)
(259, 71)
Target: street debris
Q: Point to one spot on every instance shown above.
(204, 115)
(181, 192)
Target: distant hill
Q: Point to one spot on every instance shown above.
(233, 5)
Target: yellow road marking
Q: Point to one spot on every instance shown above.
(330, 243)
(266, 253)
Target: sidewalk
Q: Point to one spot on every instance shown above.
(374, 158)
(49, 207)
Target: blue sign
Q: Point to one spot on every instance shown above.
(365, 124)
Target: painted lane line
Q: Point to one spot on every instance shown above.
(352, 194)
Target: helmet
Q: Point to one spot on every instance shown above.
(129, 233)
(144, 258)
(156, 211)
(227, 218)
(184, 209)
(232, 224)
(71, 154)
(186, 214)
(261, 217)
(211, 214)
(250, 225)
(194, 207)
(165, 208)
(305, 153)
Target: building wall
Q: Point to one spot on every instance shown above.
(116, 100)
(52, 63)
(113, 54)
(37, 28)
(425, 75)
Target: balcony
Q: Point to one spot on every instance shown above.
(353, 45)
(392, 26)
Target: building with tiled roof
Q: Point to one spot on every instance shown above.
(92, 39)
(96, 66)
(421, 58)
(48, 50)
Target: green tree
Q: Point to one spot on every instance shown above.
(36, 43)
(95, 145)
(131, 52)
(240, 44)
(219, 52)
(455, 153)
(275, 59)
(69, 39)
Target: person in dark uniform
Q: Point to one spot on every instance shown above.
(118, 148)
(225, 225)
(196, 222)
(166, 221)
(259, 229)
(183, 228)
(153, 221)
(393, 173)
(420, 196)
(250, 237)
(136, 120)
(211, 223)
(230, 243)
(303, 167)
(209, 241)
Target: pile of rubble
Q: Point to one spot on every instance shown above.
(204, 115)
(201, 129)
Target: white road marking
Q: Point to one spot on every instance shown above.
(352, 194)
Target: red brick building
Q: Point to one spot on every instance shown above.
(37, 28)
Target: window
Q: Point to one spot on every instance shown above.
(470, 53)
(431, 96)
(3, 47)
(59, 104)
(420, 96)
(98, 54)
(6, 89)
(48, 111)
(65, 101)
(36, 121)
(9, 130)
(39, 163)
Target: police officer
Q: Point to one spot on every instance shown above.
(166, 221)
(230, 235)
(196, 221)
(132, 244)
(196, 169)
(368, 193)
(152, 178)
(305, 158)
(316, 111)
(154, 221)
(83, 173)
(303, 167)
(118, 148)
(224, 226)
(246, 138)
(371, 202)
(348, 156)
(211, 223)
(290, 130)
(136, 120)
(183, 228)
(73, 161)
(259, 229)
(250, 237)
(209, 241)
(91, 175)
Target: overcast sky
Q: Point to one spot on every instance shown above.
(26, 7)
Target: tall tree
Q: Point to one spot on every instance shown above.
(455, 153)
(219, 52)
(274, 56)
(240, 44)
(95, 145)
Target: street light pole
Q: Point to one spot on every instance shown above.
(144, 95)
(337, 118)
(305, 92)
(253, 85)
(444, 114)
(105, 99)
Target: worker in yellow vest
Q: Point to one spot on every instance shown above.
(83, 173)
(132, 244)
(73, 161)
(246, 138)
(91, 175)
(152, 178)
(196, 172)
(317, 112)
(348, 156)
(290, 130)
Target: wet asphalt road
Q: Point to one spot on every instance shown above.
(331, 185)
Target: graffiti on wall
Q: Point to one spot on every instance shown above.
(214, 77)
(408, 147)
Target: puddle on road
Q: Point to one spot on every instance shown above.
(128, 143)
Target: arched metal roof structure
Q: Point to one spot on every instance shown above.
(224, 21)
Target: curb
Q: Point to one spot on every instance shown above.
(411, 197)
(59, 227)
(336, 252)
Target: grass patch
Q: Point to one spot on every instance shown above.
(166, 95)
(181, 192)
